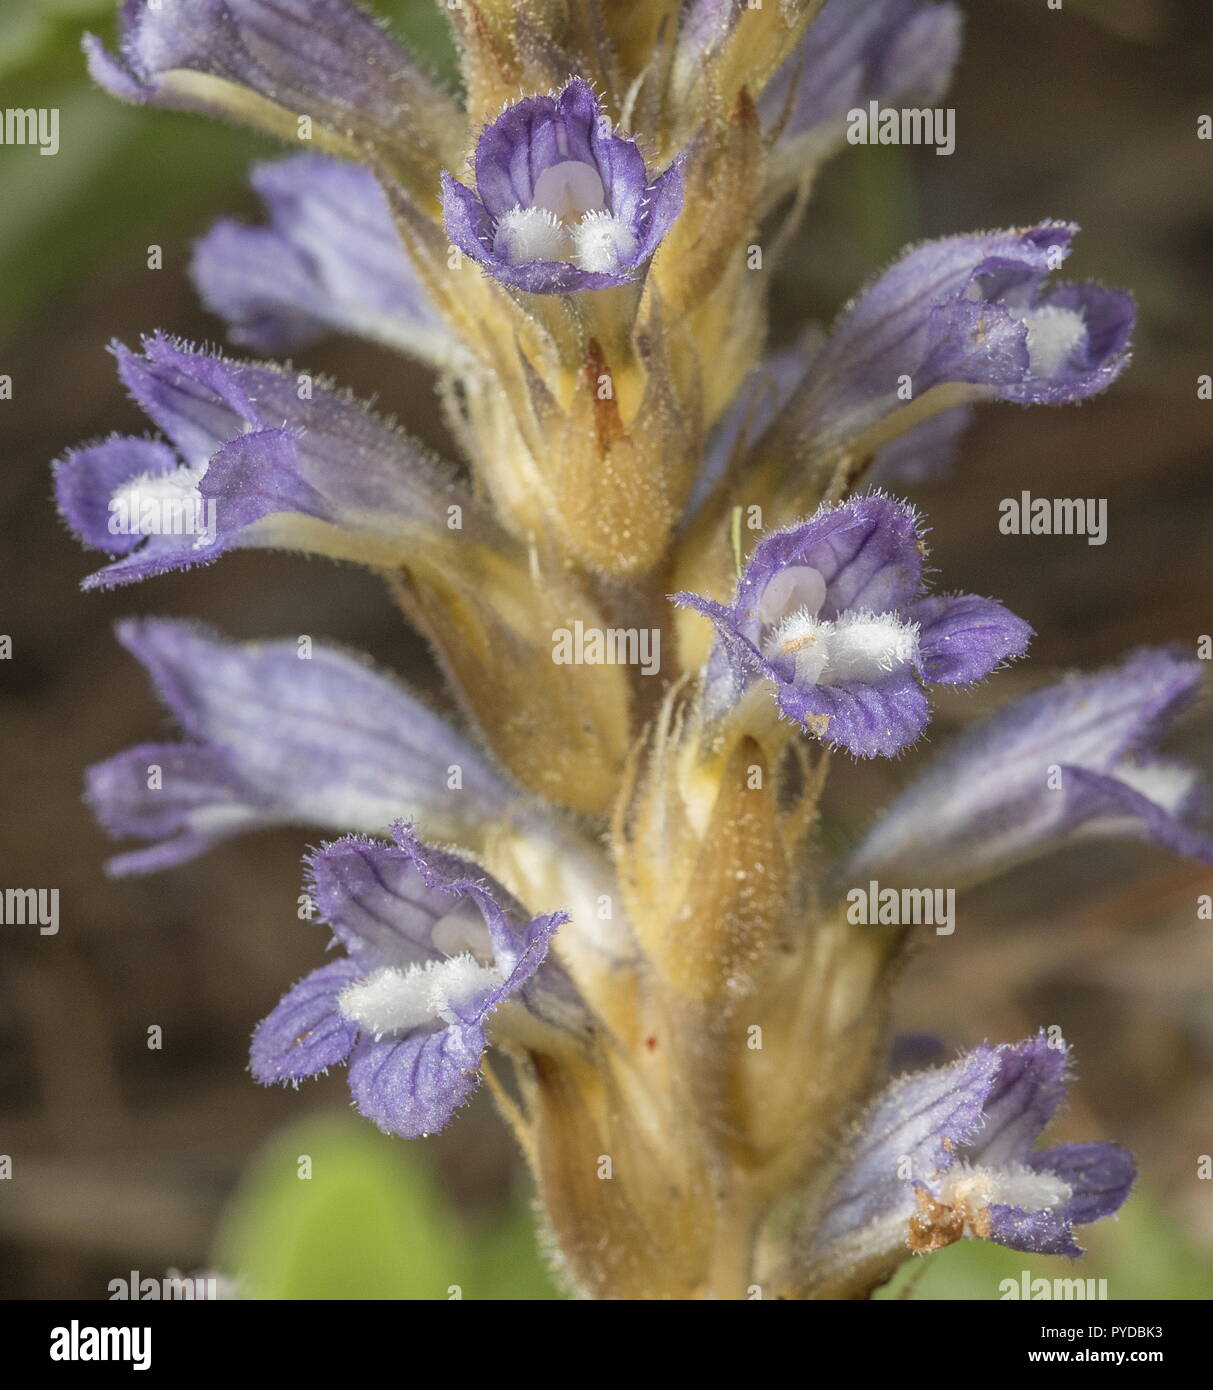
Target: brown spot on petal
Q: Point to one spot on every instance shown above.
(818, 724)
(933, 1226)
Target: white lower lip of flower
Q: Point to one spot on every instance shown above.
(531, 234)
(974, 1189)
(1054, 334)
(393, 1000)
(155, 490)
(602, 243)
(861, 647)
(569, 190)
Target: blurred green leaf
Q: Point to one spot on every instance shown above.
(22, 34)
(370, 1222)
(31, 28)
(508, 1260)
(422, 26)
(1149, 1257)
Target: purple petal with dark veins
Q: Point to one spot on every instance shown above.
(1072, 759)
(922, 1118)
(391, 906)
(283, 735)
(264, 455)
(269, 62)
(1101, 1176)
(306, 1033)
(531, 137)
(966, 312)
(383, 902)
(330, 260)
(871, 720)
(962, 637)
(866, 550)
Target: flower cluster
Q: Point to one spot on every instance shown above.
(637, 887)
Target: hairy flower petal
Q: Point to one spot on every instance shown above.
(948, 1153)
(435, 946)
(831, 612)
(273, 62)
(558, 155)
(266, 458)
(329, 260)
(278, 736)
(969, 313)
(1074, 758)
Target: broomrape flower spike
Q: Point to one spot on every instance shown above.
(619, 958)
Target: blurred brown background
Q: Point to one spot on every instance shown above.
(125, 1155)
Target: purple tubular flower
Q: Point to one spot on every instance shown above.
(254, 465)
(856, 52)
(1072, 760)
(562, 203)
(757, 401)
(330, 260)
(280, 736)
(833, 612)
(925, 452)
(271, 61)
(970, 312)
(950, 1152)
(434, 947)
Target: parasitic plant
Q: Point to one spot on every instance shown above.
(669, 583)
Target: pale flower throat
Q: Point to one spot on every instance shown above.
(855, 646)
(567, 220)
(395, 999)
